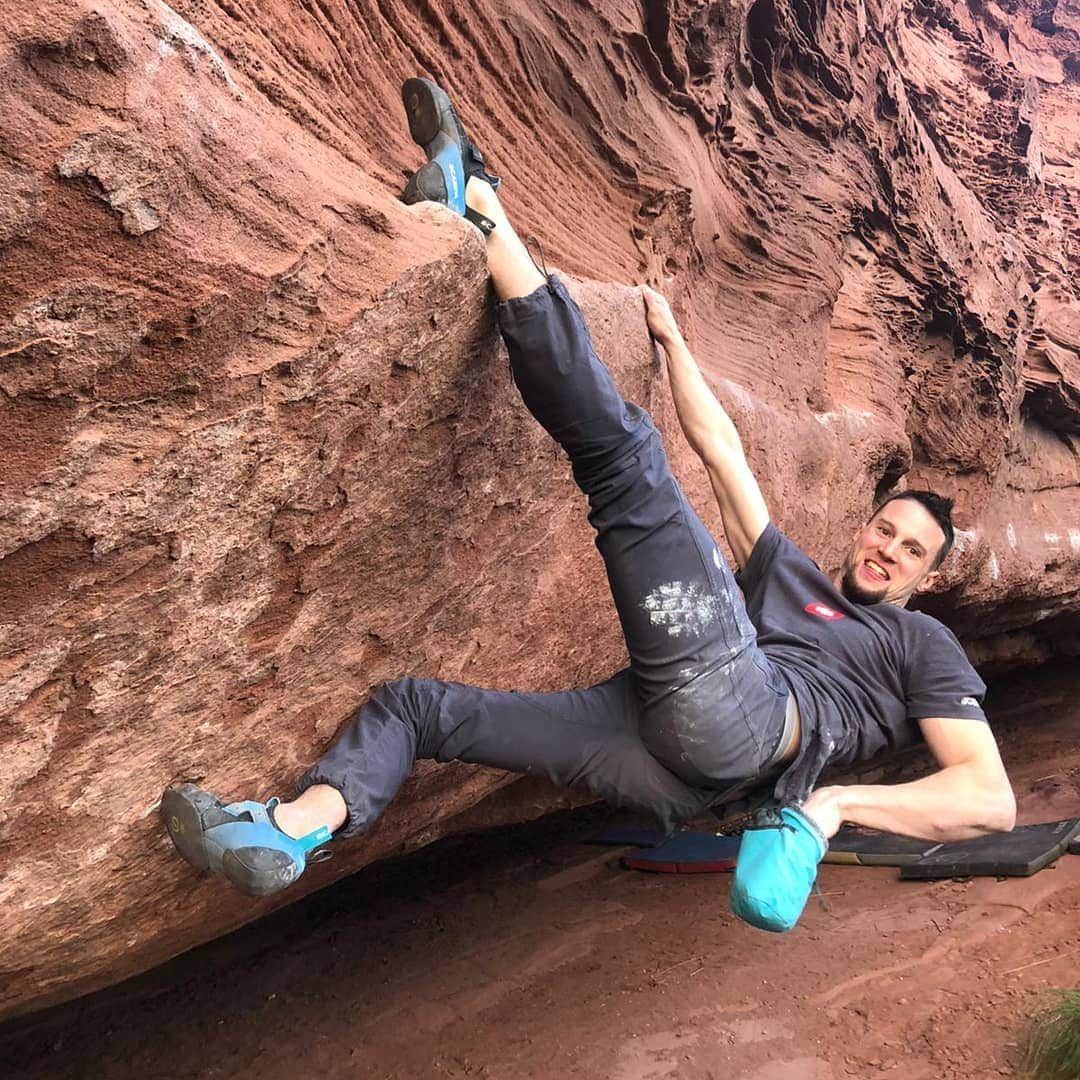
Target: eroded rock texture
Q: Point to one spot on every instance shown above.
(260, 449)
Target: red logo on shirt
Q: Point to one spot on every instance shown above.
(823, 611)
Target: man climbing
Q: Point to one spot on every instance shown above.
(721, 691)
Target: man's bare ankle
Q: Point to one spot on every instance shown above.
(480, 197)
(287, 820)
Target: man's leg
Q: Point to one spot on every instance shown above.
(712, 709)
(576, 738)
(586, 738)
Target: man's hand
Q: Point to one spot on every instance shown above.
(825, 808)
(661, 322)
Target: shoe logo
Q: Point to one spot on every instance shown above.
(823, 611)
(175, 824)
(414, 104)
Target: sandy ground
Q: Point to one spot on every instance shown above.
(525, 953)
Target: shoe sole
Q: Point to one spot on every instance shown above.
(425, 105)
(181, 813)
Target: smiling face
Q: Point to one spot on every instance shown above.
(893, 555)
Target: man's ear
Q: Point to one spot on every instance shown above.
(928, 582)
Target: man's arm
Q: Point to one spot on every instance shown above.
(711, 434)
(970, 794)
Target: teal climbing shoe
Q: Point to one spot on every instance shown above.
(776, 869)
(238, 841)
(452, 156)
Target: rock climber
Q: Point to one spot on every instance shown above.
(726, 687)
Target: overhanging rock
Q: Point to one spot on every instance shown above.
(259, 447)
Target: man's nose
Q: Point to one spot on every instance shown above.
(891, 549)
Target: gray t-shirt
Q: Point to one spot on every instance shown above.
(862, 675)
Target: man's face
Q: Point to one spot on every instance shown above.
(892, 555)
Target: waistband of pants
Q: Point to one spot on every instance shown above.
(787, 736)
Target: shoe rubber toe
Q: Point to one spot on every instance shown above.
(259, 871)
(183, 812)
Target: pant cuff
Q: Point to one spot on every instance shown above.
(354, 823)
(524, 308)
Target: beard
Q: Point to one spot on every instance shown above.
(856, 593)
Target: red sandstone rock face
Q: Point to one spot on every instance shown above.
(260, 449)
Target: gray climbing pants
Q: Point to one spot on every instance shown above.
(699, 708)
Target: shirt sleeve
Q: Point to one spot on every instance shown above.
(941, 680)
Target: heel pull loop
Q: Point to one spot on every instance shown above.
(315, 839)
(542, 264)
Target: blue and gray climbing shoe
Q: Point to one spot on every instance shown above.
(239, 841)
(452, 157)
(776, 868)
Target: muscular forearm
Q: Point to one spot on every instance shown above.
(707, 426)
(713, 437)
(711, 434)
(956, 803)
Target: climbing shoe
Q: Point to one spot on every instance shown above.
(239, 841)
(776, 868)
(452, 157)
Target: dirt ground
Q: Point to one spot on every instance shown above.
(525, 953)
